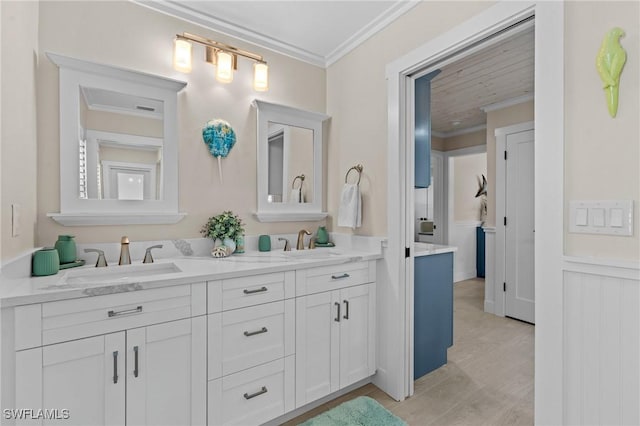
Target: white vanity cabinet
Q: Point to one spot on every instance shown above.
(335, 329)
(251, 340)
(133, 369)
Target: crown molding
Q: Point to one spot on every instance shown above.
(177, 10)
(472, 129)
(507, 103)
(396, 10)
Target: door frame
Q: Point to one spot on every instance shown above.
(396, 376)
(501, 133)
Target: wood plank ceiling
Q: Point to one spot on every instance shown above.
(498, 73)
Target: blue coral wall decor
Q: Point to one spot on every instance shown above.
(219, 137)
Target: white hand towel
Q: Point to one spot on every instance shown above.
(296, 196)
(350, 209)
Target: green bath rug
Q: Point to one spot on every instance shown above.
(361, 411)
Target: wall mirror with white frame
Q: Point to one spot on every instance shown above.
(290, 166)
(118, 145)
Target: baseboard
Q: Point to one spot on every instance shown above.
(463, 275)
(310, 406)
(488, 306)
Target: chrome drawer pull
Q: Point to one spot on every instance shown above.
(115, 367)
(259, 290)
(135, 363)
(136, 310)
(337, 318)
(253, 333)
(334, 277)
(253, 395)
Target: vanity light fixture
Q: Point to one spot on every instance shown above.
(223, 56)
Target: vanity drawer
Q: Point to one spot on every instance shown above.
(246, 337)
(316, 280)
(253, 396)
(77, 318)
(253, 290)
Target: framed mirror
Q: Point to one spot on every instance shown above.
(118, 145)
(290, 172)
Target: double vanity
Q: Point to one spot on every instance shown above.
(190, 340)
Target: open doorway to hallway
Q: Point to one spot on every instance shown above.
(471, 95)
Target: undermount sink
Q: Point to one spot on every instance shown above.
(118, 274)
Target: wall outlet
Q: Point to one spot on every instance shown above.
(15, 220)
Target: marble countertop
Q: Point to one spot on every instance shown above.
(428, 249)
(83, 282)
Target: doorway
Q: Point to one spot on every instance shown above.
(395, 369)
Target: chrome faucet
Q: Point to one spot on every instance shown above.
(125, 256)
(102, 262)
(287, 246)
(147, 255)
(301, 234)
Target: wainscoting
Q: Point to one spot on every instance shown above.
(601, 327)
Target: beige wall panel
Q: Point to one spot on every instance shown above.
(465, 141)
(602, 154)
(357, 101)
(19, 61)
(142, 40)
(466, 171)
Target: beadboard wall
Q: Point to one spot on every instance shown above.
(601, 327)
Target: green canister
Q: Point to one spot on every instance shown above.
(45, 262)
(66, 247)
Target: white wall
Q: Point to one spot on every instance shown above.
(125, 34)
(19, 61)
(464, 211)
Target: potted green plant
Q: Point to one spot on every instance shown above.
(226, 227)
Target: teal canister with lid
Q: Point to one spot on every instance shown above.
(45, 262)
(66, 247)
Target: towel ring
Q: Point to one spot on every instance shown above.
(358, 168)
(293, 184)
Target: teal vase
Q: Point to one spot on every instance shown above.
(66, 247)
(322, 235)
(45, 262)
(240, 244)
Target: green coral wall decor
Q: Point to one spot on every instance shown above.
(609, 62)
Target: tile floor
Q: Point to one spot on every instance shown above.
(488, 379)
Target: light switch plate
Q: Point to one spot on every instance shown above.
(602, 217)
(15, 220)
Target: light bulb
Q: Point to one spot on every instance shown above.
(182, 55)
(260, 77)
(224, 67)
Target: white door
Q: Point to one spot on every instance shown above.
(317, 345)
(356, 337)
(166, 373)
(85, 377)
(519, 229)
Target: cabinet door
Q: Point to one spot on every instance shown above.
(85, 377)
(166, 373)
(357, 345)
(317, 346)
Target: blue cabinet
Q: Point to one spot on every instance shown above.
(422, 129)
(480, 252)
(433, 312)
